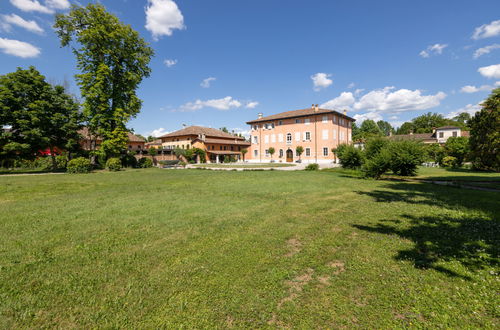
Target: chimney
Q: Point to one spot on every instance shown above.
(259, 115)
(433, 130)
(345, 112)
(184, 125)
(316, 109)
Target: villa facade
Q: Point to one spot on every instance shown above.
(439, 135)
(317, 130)
(216, 143)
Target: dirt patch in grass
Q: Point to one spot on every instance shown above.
(296, 286)
(294, 247)
(338, 267)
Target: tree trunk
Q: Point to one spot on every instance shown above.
(53, 156)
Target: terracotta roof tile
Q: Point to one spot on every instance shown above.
(298, 113)
(197, 130)
(131, 137)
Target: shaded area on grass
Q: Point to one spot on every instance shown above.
(473, 241)
(250, 165)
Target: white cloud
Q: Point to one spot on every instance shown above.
(31, 5)
(158, 132)
(13, 19)
(375, 116)
(487, 30)
(58, 4)
(225, 103)
(163, 17)
(492, 71)
(484, 88)
(344, 101)
(359, 91)
(251, 104)
(436, 49)
(206, 82)
(169, 63)
(485, 50)
(351, 85)
(469, 108)
(321, 80)
(384, 100)
(18, 48)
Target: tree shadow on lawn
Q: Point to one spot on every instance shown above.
(474, 241)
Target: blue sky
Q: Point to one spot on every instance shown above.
(390, 60)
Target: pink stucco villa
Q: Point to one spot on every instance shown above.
(317, 130)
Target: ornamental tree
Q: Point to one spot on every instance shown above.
(113, 59)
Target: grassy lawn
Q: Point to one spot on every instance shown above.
(436, 173)
(204, 249)
(248, 165)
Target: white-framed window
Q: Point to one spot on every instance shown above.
(273, 138)
(281, 153)
(325, 151)
(342, 136)
(289, 138)
(297, 136)
(307, 121)
(455, 133)
(297, 121)
(335, 134)
(441, 134)
(325, 119)
(266, 138)
(308, 152)
(280, 137)
(324, 134)
(255, 139)
(267, 153)
(256, 153)
(307, 136)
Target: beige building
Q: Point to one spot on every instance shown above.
(439, 135)
(317, 130)
(217, 144)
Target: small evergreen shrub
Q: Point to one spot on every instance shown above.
(79, 165)
(350, 157)
(114, 164)
(378, 164)
(61, 161)
(312, 167)
(128, 160)
(374, 146)
(145, 162)
(405, 157)
(448, 161)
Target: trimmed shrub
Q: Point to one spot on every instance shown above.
(374, 146)
(169, 162)
(312, 167)
(61, 161)
(350, 157)
(378, 164)
(145, 162)
(79, 165)
(114, 164)
(129, 160)
(448, 161)
(405, 157)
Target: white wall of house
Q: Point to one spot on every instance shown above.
(442, 135)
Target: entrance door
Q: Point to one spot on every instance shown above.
(289, 156)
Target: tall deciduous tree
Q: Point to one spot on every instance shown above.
(41, 116)
(385, 127)
(485, 134)
(113, 60)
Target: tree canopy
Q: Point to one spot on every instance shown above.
(427, 122)
(485, 134)
(40, 116)
(113, 59)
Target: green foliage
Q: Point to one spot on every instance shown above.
(385, 127)
(432, 152)
(426, 122)
(113, 60)
(271, 151)
(169, 162)
(374, 145)
(457, 147)
(312, 167)
(61, 161)
(41, 116)
(183, 164)
(299, 150)
(152, 151)
(79, 165)
(378, 164)
(243, 152)
(449, 161)
(145, 162)
(202, 154)
(405, 157)
(485, 134)
(180, 152)
(113, 164)
(128, 159)
(349, 156)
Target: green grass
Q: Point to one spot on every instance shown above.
(200, 249)
(248, 165)
(436, 173)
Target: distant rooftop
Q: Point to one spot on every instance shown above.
(299, 113)
(197, 130)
